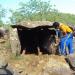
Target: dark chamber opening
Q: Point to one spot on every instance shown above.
(33, 38)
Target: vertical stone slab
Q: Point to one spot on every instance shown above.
(14, 41)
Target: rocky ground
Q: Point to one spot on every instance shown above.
(31, 64)
(35, 65)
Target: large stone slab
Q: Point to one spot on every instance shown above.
(71, 61)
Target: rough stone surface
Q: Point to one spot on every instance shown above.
(55, 67)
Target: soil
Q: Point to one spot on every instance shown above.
(32, 64)
(36, 65)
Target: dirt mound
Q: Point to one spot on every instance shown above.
(40, 65)
(56, 66)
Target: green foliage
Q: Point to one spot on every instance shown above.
(32, 10)
(64, 18)
(1, 23)
(37, 10)
(16, 17)
(2, 14)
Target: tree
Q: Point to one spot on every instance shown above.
(32, 10)
(2, 14)
(16, 17)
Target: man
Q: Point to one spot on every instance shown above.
(66, 39)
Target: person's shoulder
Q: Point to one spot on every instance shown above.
(63, 24)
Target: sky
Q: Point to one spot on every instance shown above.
(65, 6)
